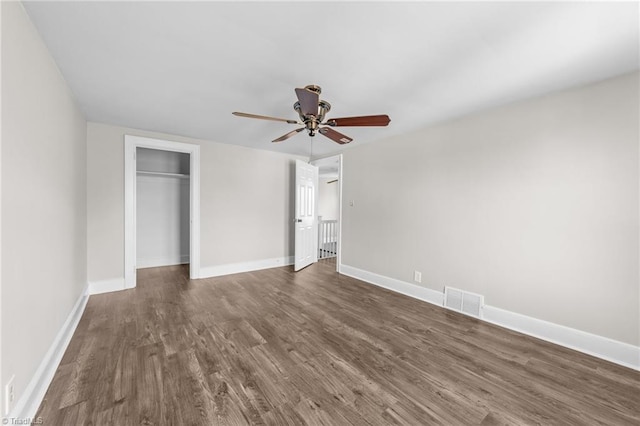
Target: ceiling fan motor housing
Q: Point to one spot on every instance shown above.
(312, 126)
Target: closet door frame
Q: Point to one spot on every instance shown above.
(131, 143)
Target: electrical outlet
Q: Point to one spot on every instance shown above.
(417, 276)
(8, 396)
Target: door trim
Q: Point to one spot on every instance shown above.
(130, 145)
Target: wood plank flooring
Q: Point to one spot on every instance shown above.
(314, 347)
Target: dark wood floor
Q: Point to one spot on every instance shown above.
(314, 347)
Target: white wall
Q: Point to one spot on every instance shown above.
(162, 208)
(328, 199)
(245, 198)
(534, 205)
(43, 199)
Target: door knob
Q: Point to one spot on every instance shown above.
(297, 220)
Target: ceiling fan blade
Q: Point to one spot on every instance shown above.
(309, 101)
(288, 135)
(335, 136)
(366, 120)
(264, 117)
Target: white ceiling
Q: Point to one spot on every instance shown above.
(182, 68)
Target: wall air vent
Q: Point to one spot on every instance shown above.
(463, 301)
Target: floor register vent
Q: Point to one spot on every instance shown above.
(463, 301)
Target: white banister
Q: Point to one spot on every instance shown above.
(327, 238)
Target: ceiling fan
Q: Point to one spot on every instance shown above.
(312, 110)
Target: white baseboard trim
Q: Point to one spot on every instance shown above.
(106, 286)
(236, 268)
(601, 347)
(117, 284)
(408, 289)
(27, 405)
(162, 261)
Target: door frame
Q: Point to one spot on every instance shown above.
(131, 143)
(340, 180)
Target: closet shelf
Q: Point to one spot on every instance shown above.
(177, 175)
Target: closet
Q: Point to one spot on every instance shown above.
(162, 208)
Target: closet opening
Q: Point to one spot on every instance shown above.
(162, 208)
(162, 205)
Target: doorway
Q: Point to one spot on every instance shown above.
(162, 208)
(329, 208)
(188, 159)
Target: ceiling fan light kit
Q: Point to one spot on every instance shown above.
(312, 111)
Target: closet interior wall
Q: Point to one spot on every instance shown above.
(162, 208)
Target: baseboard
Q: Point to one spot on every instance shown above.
(106, 286)
(601, 347)
(162, 261)
(408, 289)
(236, 268)
(117, 284)
(27, 405)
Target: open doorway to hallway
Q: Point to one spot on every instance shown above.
(329, 210)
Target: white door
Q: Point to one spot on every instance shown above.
(305, 222)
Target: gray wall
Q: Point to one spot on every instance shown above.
(157, 160)
(43, 199)
(245, 202)
(534, 205)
